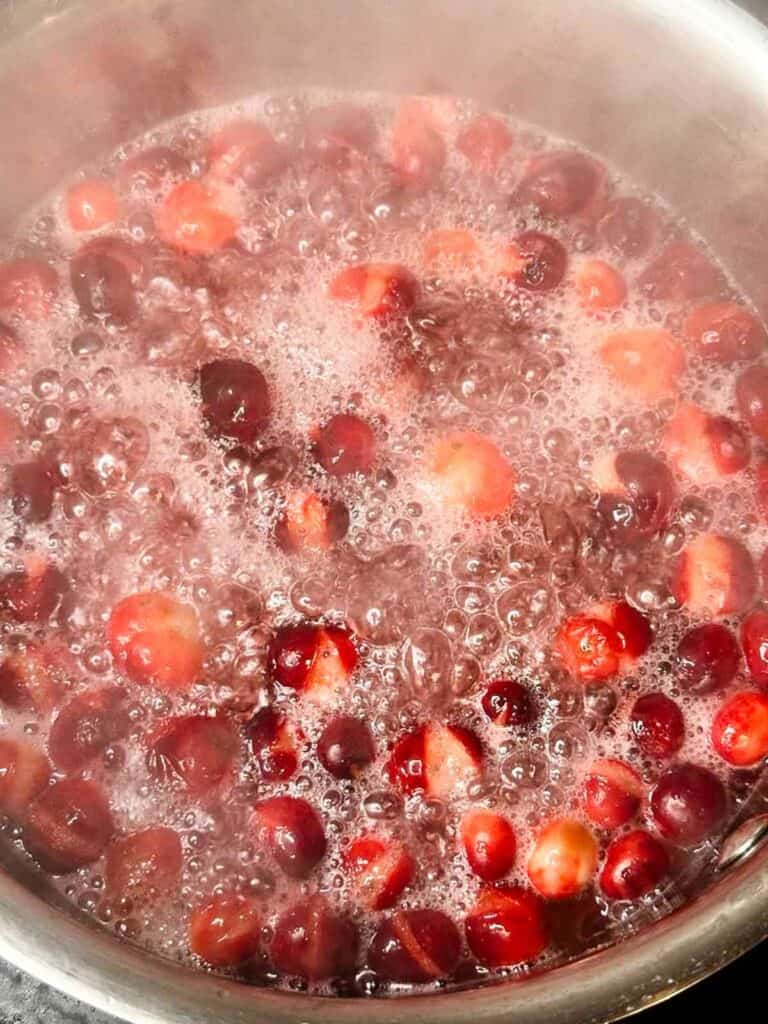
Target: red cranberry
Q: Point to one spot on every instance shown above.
(600, 286)
(563, 860)
(635, 863)
(144, 865)
(730, 445)
(273, 744)
(507, 702)
(10, 349)
(293, 833)
(381, 870)
(27, 288)
(636, 502)
(633, 629)
(561, 184)
(346, 444)
(36, 594)
(740, 729)
(311, 523)
(752, 399)
(331, 132)
(437, 759)
(33, 487)
(236, 404)
(613, 793)
(680, 273)
(195, 750)
(245, 151)
(315, 660)
(590, 648)
(688, 804)
(31, 678)
(91, 204)
(629, 226)
(68, 826)
(191, 219)
(24, 772)
(418, 149)
(384, 291)
(105, 275)
(754, 640)
(723, 332)
(715, 576)
(707, 658)
(506, 926)
(657, 725)
(345, 748)
(539, 260)
(85, 726)
(489, 843)
(150, 168)
(415, 946)
(484, 142)
(313, 942)
(225, 932)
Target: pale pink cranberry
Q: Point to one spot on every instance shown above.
(657, 725)
(703, 447)
(24, 773)
(484, 142)
(471, 475)
(564, 859)
(506, 926)
(86, 725)
(68, 826)
(688, 804)
(225, 932)
(292, 832)
(635, 863)
(381, 869)
(312, 941)
(383, 291)
(629, 226)
(715, 576)
(489, 843)
(345, 747)
(646, 361)
(680, 273)
(613, 793)
(740, 729)
(561, 184)
(436, 758)
(415, 946)
(418, 148)
(708, 658)
(143, 866)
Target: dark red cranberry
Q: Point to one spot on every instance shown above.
(688, 804)
(272, 744)
(85, 726)
(544, 261)
(331, 132)
(629, 226)
(754, 641)
(415, 946)
(725, 333)
(729, 444)
(346, 444)
(33, 487)
(311, 941)
(345, 747)
(648, 489)
(680, 273)
(194, 750)
(293, 833)
(507, 702)
(657, 725)
(707, 658)
(227, 931)
(105, 275)
(235, 397)
(633, 629)
(752, 399)
(68, 826)
(246, 151)
(506, 926)
(37, 594)
(635, 863)
(561, 184)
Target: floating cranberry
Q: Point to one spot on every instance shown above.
(754, 640)
(197, 751)
(536, 262)
(680, 273)
(85, 726)
(647, 361)
(313, 942)
(589, 647)
(418, 149)
(724, 332)
(629, 226)
(688, 804)
(143, 866)
(92, 204)
(564, 859)
(225, 932)
(437, 759)
(31, 678)
(715, 576)
(33, 487)
(507, 702)
(472, 475)
(635, 863)
(24, 773)
(740, 729)
(37, 594)
(311, 523)
(293, 833)
(332, 132)
(484, 142)
(600, 286)
(636, 493)
(657, 725)
(380, 290)
(345, 747)
(28, 288)
(191, 219)
(613, 793)
(380, 868)
(150, 168)
(315, 660)
(708, 658)
(415, 946)
(752, 399)
(106, 274)
(489, 844)
(506, 926)
(156, 639)
(236, 403)
(245, 151)
(561, 184)
(703, 447)
(273, 744)
(346, 444)
(68, 826)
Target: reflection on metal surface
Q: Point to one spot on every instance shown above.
(743, 841)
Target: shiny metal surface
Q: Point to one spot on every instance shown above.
(674, 91)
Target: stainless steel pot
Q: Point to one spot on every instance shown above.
(674, 91)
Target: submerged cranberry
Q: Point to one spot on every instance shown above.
(151, 167)
(715, 576)
(194, 750)
(31, 678)
(707, 658)
(27, 288)
(106, 274)
(313, 942)
(629, 226)
(331, 132)
(273, 744)
(636, 494)
(245, 151)
(561, 184)
(507, 702)
(752, 399)
(226, 931)
(657, 725)
(346, 444)
(754, 640)
(484, 142)
(418, 148)
(681, 272)
(724, 332)
(688, 804)
(415, 946)
(10, 349)
(33, 487)
(613, 793)
(506, 926)
(91, 204)
(236, 404)
(24, 772)
(143, 865)
(293, 833)
(381, 868)
(345, 747)
(436, 758)
(68, 826)
(86, 725)
(36, 594)
(537, 262)
(635, 863)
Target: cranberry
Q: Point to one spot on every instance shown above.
(635, 863)
(636, 494)
(564, 859)
(506, 926)
(156, 639)
(311, 523)
(489, 844)
(600, 286)
(236, 403)
(68, 826)
(589, 647)
(315, 660)
(632, 627)
(24, 773)
(437, 759)
(537, 262)
(150, 168)
(197, 751)
(192, 220)
(613, 793)
(10, 349)
(472, 475)
(453, 247)
(292, 832)
(680, 273)
(28, 288)
(740, 729)
(384, 291)
(331, 132)
(36, 594)
(33, 487)
(381, 870)
(723, 332)
(484, 142)
(245, 151)
(752, 399)
(143, 865)
(418, 149)
(313, 942)
(85, 726)
(761, 487)
(629, 226)
(705, 448)
(225, 932)
(31, 678)
(273, 744)
(507, 702)
(657, 725)
(647, 361)
(715, 576)
(105, 275)
(688, 804)
(754, 640)
(561, 184)
(91, 205)
(346, 444)
(345, 748)
(415, 946)
(707, 658)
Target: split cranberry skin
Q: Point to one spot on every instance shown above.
(657, 725)
(629, 226)
(292, 832)
(541, 261)
(688, 804)
(195, 751)
(740, 729)
(311, 941)
(235, 400)
(507, 702)
(635, 863)
(489, 844)
(435, 758)
(24, 773)
(225, 932)
(68, 826)
(680, 273)
(613, 793)
(752, 399)
(590, 648)
(346, 445)
(142, 866)
(273, 744)
(754, 640)
(561, 184)
(708, 658)
(381, 869)
(506, 926)
(85, 726)
(345, 747)
(414, 947)
(316, 660)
